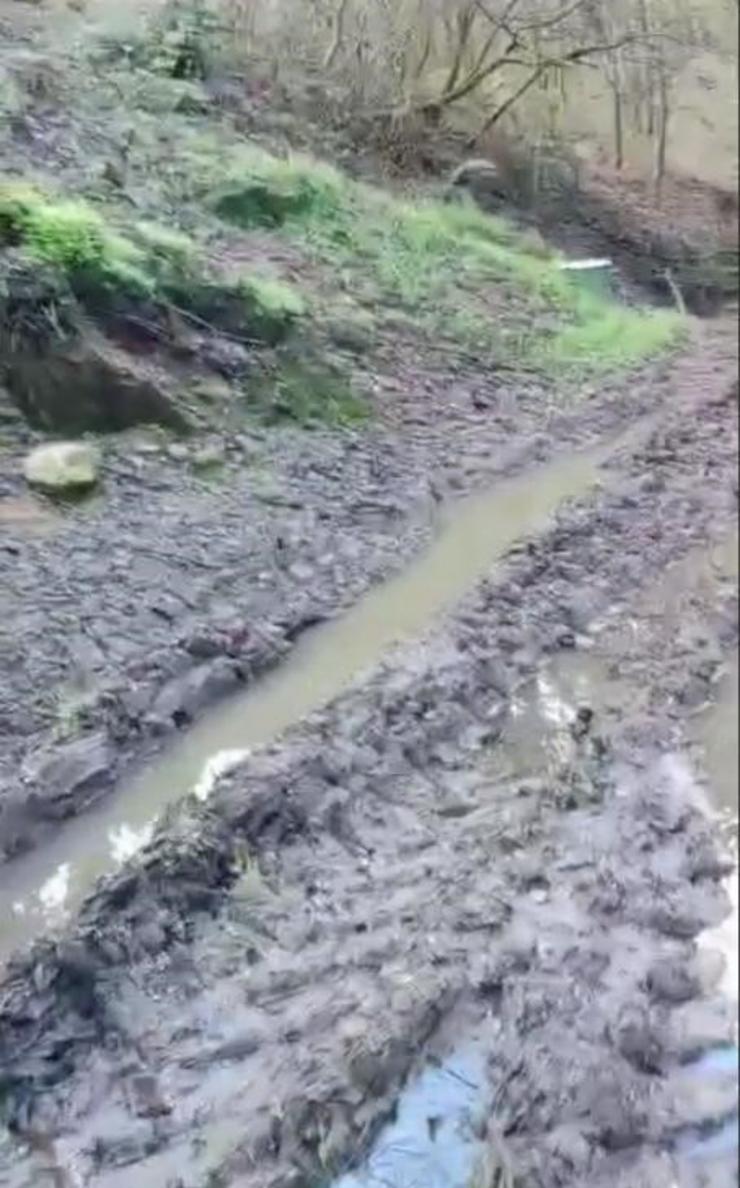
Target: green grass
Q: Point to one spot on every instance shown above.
(457, 272)
(307, 394)
(606, 337)
(267, 191)
(273, 306)
(148, 262)
(74, 238)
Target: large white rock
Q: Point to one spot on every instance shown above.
(62, 467)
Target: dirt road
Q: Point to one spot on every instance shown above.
(491, 852)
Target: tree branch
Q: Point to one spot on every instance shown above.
(556, 18)
(574, 57)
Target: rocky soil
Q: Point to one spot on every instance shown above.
(381, 877)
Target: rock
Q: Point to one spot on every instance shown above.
(61, 371)
(619, 1115)
(62, 467)
(214, 391)
(673, 980)
(208, 457)
(239, 1047)
(89, 385)
(565, 638)
(193, 101)
(203, 646)
(352, 334)
(637, 1036)
(183, 698)
(146, 1097)
(581, 608)
(68, 777)
(480, 179)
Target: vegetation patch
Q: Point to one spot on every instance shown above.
(603, 337)
(461, 274)
(74, 238)
(149, 263)
(308, 394)
(267, 191)
(273, 306)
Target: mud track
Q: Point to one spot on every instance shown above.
(124, 620)
(243, 1002)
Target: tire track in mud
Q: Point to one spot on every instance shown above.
(246, 998)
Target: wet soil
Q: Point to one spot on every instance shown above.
(497, 836)
(470, 535)
(177, 586)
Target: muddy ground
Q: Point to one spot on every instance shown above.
(496, 840)
(125, 618)
(201, 562)
(242, 1003)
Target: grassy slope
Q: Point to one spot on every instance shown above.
(451, 276)
(457, 273)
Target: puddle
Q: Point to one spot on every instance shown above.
(722, 1142)
(410, 1155)
(431, 1143)
(539, 735)
(46, 886)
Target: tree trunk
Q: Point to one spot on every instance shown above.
(338, 37)
(661, 147)
(618, 127)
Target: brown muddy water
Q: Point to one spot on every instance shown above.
(43, 888)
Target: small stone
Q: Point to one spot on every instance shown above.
(565, 638)
(207, 457)
(636, 1035)
(352, 334)
(213, 390)
(146, 1097)
(204, 647)
(62, 468)
(186, 696)
(673, 980)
